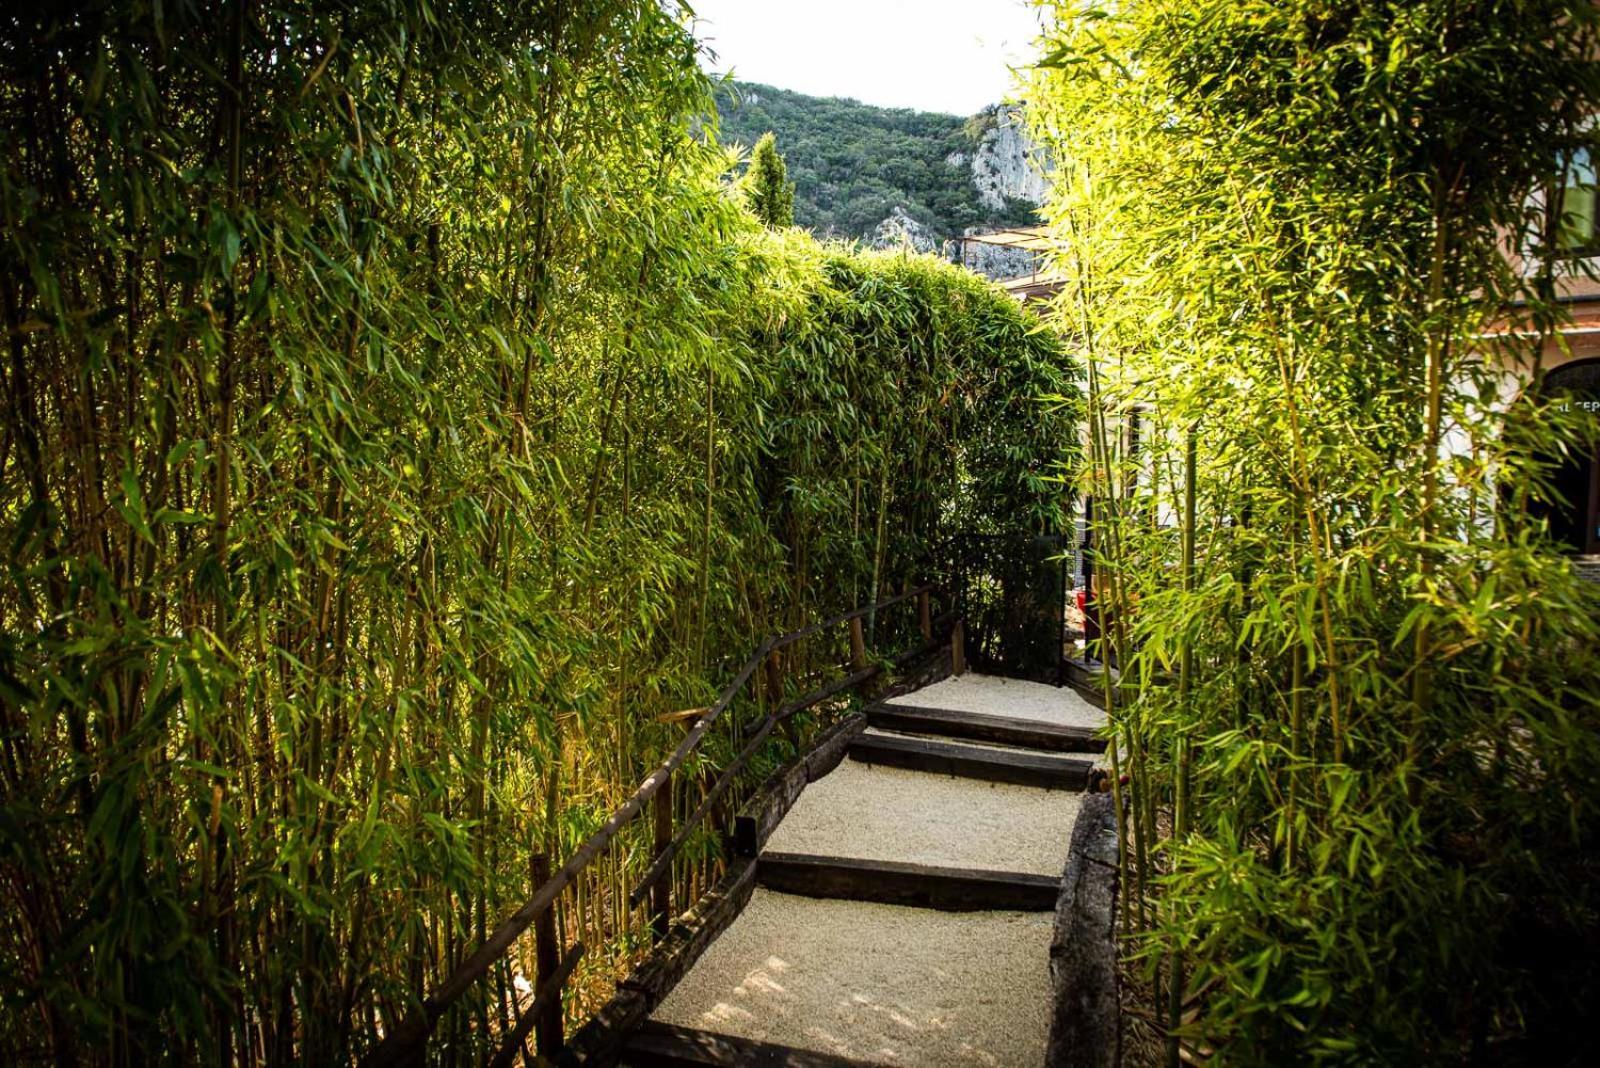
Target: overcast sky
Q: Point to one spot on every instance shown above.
(933, 55)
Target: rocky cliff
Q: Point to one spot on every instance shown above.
(1007, 169)
(1006, 164)
(900, 230)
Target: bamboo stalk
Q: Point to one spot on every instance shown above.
(1180, 814)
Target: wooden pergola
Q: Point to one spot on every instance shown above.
(1034, 287)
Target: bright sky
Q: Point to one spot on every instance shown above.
(933, 55)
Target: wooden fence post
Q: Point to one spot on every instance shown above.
(858, 645)
(775, 679)
(661, 892)
(925, 615)
(775, 695)
(549, 1037)
(958, 648)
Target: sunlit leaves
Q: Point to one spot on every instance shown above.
(1273, 220)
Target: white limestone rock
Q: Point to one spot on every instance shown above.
(1007, 164)
(901, 231)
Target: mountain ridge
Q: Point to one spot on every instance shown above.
(890, 176)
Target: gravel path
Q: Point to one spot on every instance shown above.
(885, 983)
(879, 813)
(1007, 697)
(882, 983)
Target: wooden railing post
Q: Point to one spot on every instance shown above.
(925, 615)
(661, 892)
(858, 645)
(549, 1037)
(958, 648)
(774, 680)
(775, 695)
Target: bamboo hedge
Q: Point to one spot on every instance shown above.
(1308, 259)
(401, 412)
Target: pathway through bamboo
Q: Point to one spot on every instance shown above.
(904, 905)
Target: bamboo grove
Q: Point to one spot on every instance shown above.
(1357, 717)
(402, 413)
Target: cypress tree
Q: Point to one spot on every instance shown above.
(768, 190)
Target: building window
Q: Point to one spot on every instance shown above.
(1571, 507)
(1576, 201)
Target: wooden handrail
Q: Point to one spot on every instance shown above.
(855, 613)
(549, 991)
(404, 1044)
(663, 862)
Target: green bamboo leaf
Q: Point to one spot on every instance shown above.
(131, 506)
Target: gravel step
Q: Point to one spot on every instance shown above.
(1015, 698)
(877, 983)
(880, 813)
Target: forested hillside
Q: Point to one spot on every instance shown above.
(853, 163)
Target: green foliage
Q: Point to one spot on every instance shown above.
(852, 163)
(1362, 737)
(387, 443)
(768, 191)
